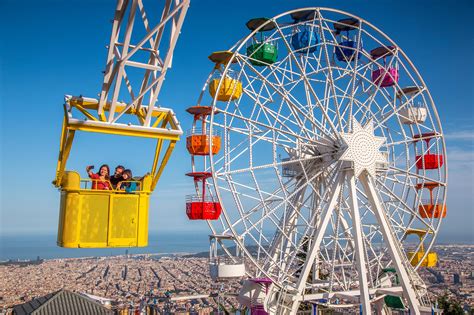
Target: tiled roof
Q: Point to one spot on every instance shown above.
(62, 302)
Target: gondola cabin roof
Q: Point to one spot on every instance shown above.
(222, 57)
(262, 280)
(389, 269)
(254, 24)
(419, 232)
(382, 51)
(199, 175)
(200, 110)
(305, 15)
(221, 236)
(346, 24)
(408, 91)
(425, 136)
(428, 185)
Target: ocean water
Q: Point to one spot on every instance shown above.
(27, 247)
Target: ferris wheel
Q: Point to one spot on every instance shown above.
(317, 151)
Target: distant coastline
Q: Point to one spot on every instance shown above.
(30, 247)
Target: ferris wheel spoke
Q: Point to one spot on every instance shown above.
(290, 51)
(270, 212)
(305, 60)
(245, 216)
(285, 131)
(274, 116)
(396, 109)
(368, 103)
(330, 77)
(408, 209)
(414, 175)
(257, 96)
(265, 79)
(294, 108)
(348, 107)
(366, 111)
(309, 228)
(237, 201)
(378, 91)
(272, 165)
(227, 158)
(282, 120)
(369, 209)
(253, 226)
(354, 73)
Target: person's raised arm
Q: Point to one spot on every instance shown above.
(89, 170)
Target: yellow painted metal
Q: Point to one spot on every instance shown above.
(159, 145)
(230, 89)
(114, 130)
(86, 113)
(68, 131)
(415, 257)
(159, 118)
(108, 218)
(165, 159)
(419, 232)
(92, 104)
(430, 260)
(101, 218)
(65, 145)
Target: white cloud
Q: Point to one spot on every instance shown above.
(461, 135)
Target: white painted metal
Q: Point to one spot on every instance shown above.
(220, 270)
(148, 54)
(413, 115)
(359, 246)
(252, 293)
(285, 173)
(222, 266)
(393, 248)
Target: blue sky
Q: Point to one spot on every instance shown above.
(51, 48)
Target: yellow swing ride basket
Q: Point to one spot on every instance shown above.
(109, 218)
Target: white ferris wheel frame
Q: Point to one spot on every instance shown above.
(333, 185)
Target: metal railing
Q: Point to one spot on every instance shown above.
(429, 202)
(199, 198)
(225, 260)
(199, 131)
(88, 183)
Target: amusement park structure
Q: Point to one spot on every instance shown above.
(317, 154)
(314, 145)
(139, 54)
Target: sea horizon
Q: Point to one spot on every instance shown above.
(30, 246)
(43, 245)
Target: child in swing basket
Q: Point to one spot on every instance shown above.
(126, 184)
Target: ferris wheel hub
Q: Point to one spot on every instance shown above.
(363, 148)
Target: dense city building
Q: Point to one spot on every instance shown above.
(177, 284)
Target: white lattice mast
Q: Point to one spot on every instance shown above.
(149, 49)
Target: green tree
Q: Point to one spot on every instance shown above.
(450, 306)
